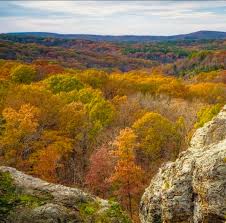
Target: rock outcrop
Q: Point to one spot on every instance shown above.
(26, 199)
(193, 188)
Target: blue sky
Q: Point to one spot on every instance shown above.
(113, 17)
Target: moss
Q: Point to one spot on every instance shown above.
(92, 212)
(31, 201)
(115, 211)
(88, 209)
(11, 198)
(8, 198)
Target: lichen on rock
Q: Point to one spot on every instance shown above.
(193, 188)
(26, 199)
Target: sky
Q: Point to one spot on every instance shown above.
(112, 17)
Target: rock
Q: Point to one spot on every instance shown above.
(193, 188)
(27, 199)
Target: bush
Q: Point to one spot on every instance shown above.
(23, 74)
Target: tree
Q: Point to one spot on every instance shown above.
(100, 169)
(23, 74)
(101, 112)
(157, 136)
(50, 151)
(74, 120)
(83, 122)
(210, 92)
(127, 111)
(127, 176)
(20, 127)
(63, 82)
(75, 123)
(37, 96)
(86, 95)
(94, 78)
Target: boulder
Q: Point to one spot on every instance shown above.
(26, 199)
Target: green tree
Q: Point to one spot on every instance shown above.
(63, 82)
(23, 74)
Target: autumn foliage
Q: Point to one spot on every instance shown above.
(102, 117)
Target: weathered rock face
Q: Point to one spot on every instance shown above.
(193, 188)
(25, 199)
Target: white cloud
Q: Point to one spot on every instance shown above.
(109, 17)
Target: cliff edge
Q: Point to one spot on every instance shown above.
(193, 188)
(26, 199)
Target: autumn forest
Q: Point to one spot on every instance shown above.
(102, 115)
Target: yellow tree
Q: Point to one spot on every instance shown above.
(20, 128)
(157, 135)
(51, 150)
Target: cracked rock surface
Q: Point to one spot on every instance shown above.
(193, 188)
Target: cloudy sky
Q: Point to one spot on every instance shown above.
(112, 17)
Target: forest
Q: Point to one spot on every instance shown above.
(104, 116)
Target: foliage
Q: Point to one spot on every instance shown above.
(7, 198)
(4, 87)
(23, 74)
(92, 212)
(62, 109)
(19, 128)
(206, 114)
(210, 92)
(94, 78)
(101, 112)
(47, 158)
(127, 175)
(157, 136)
(58, 83)
(100, 169)
(36, 95)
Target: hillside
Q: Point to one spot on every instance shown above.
(127, 38)
(182, 55)
(102, 116)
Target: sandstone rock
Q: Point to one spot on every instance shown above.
(193, 188)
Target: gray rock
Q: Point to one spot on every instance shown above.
(193, 188)
(49, 203)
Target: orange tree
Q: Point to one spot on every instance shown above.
(127, 176)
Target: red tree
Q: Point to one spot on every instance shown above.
(101, 168)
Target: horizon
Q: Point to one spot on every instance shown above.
(114, 18)
(90, 34)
